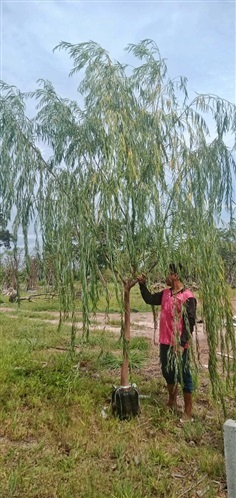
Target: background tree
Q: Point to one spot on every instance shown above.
(227, 248)
(12, 266)
(5, 235)
(137, 152)
(33, 271)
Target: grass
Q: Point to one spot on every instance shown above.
(48, 305)
(58, 437)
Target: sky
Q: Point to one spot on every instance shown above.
(197, 39)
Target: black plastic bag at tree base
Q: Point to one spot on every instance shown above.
(125, 402)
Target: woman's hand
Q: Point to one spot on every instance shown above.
(142, 278)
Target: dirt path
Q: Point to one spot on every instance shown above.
(141, 326)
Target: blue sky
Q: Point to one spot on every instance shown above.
(197, 38)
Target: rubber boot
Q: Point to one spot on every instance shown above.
(188, 406)
(172, 402)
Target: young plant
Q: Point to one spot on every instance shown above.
(133, 180)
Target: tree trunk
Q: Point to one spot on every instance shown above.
(126, 340)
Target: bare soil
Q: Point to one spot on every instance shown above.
(142, 325)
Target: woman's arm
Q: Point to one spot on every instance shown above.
(154, 299)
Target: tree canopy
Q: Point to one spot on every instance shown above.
(5, 235)
(134, 152)
(227, 248)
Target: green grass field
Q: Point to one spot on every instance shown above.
(58, 438)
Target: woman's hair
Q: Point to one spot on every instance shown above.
(176, 268)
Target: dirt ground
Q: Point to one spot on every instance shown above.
(142, 325)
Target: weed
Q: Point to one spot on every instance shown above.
(139, 343)
(194, 431)
(212, 464)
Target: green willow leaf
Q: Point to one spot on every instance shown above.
(127, 178)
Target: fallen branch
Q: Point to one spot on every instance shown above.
(192, 487)
(225, 355)
(29, 298)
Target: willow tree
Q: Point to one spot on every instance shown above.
(134, 151)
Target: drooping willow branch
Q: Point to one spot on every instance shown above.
(131, 179)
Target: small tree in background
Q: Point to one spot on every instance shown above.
(12, 264)
(5, 235)
(135, 153)
(33, 271)
(227, 249)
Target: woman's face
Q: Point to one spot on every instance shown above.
(170, 278)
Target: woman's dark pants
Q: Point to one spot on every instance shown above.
(176, 369)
